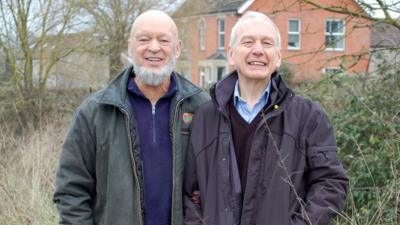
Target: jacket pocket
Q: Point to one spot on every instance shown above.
(320, 156)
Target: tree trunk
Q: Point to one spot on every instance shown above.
(116, 64)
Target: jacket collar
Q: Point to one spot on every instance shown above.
(222, 91)
(116, 92)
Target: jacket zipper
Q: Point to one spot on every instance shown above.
(153, 113)
(128, 126)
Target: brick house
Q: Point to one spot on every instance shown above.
(314, 41)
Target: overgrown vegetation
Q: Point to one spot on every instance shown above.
(31, 135)
(365, 112)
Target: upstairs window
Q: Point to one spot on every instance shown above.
(294, 34)
(202, 35)
(184, 36)
(221, 34)
(334, 35)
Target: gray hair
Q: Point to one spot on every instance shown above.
(254, 15)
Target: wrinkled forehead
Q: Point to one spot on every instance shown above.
(257, 28)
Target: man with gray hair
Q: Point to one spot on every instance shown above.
(258, 153)
(122, 159)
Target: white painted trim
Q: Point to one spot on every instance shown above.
(337, 34)
(245, 6)
(221, 33)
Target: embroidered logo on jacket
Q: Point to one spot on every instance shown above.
(187, 118)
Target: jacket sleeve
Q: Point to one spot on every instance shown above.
(75, 179)
(326, 180)
(191, 198)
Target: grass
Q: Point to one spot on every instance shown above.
(27, 170)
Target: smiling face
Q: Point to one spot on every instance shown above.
(255, 54)
(154, 46)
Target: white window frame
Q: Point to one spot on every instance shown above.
(221, 34)
(209, 74)
(202, 76)
(342, 34)
(202, 34)
(298, 33)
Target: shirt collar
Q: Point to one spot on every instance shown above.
(263, 98)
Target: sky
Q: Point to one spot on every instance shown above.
(393, 4)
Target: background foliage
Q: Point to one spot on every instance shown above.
(365, 112)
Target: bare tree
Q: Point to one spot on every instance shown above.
(32, 37)
(113, 19)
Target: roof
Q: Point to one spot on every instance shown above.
(219, 54)
(201, 7)
(384, 35)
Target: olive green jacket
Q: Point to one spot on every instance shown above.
(98, 179)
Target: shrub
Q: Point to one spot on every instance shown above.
(366, 115)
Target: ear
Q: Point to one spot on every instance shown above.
(178, 49)
(231, 63)
(279, 59)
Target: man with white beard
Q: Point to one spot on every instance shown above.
(122, 159)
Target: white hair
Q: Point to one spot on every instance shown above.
(254, 15)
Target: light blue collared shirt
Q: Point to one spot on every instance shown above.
(242, 107)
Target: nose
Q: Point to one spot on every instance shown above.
(154, 45)
(258, 48)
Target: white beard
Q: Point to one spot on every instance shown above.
(154, 78)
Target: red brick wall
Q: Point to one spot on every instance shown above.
(308, 62)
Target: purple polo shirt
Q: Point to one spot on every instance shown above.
(153, 123)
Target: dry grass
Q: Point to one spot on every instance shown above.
(27, 168)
